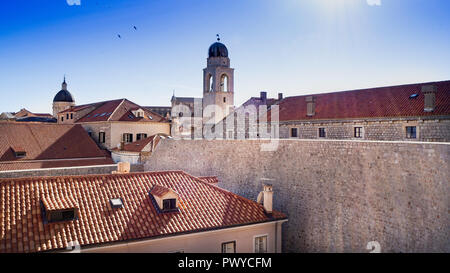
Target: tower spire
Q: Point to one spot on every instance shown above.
(64, 84)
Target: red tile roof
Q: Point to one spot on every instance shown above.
(391, 101)
(159, 190)
(209, 179)
(202, 207)
(138, 145)
(119, 110)
(58, 202)
(47, 146)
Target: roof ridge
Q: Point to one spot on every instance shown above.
(117, 107)
(369, 88)
(219, 188)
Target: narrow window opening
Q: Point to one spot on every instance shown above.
(294, 132)
(358, 132)
(411, 132)
(322, 132)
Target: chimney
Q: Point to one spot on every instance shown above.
(122, 167)
(310, 106)
(122, 145)
(263, 95)
(268, 197)
(280, 96)
(429, 92)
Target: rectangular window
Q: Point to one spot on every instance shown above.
(230, 134)
(62, 118)
(61, 215)
(411, 132)
(71, 115)
(101, 137)
(127, 138)
(229, 247)
(322, 132)
(21, 154)
(294, 132)
(67, 116)
(169, 204)
(141, 136)
(358, 132)
(261, 244)
(224, 99)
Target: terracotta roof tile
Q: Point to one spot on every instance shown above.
(391, 101)
(139, 145)
(47, 146)
(58, 203)
(202, 207)
(209, 179)
(119, 110)
(159, 191)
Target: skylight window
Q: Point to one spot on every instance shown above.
(413, 96)
(102, 114)
(96, 115)
(130, 116)
(150, 117)
(116, 203)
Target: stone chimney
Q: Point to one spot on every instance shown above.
(280, 96)
(122, 145)
(429, 92)
(268, 197)
(310, 106)
(263, 95)
(122, 167)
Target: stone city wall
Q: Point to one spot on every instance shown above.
(338, 194)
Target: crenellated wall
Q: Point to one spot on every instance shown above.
(339, 194)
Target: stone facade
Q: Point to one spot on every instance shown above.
(115, 129)
(338, 194)
(436, 130)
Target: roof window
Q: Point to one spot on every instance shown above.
(19, 152)
(166, 199)
(56, 209)
(116, 203)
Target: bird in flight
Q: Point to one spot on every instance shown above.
(135, 28)
(118, 35)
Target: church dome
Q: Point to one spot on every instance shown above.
(63, 96)
(217, 50)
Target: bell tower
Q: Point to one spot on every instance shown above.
(218, 81)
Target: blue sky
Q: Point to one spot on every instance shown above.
(290, 46)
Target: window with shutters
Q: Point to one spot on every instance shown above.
(261, 244)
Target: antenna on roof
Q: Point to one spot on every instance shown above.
(64, 78)
(218, 37)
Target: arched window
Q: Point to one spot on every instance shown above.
(224, 83)
(209, 83)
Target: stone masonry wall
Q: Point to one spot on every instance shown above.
(427, 130)
(85, 170)
(339, 195)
